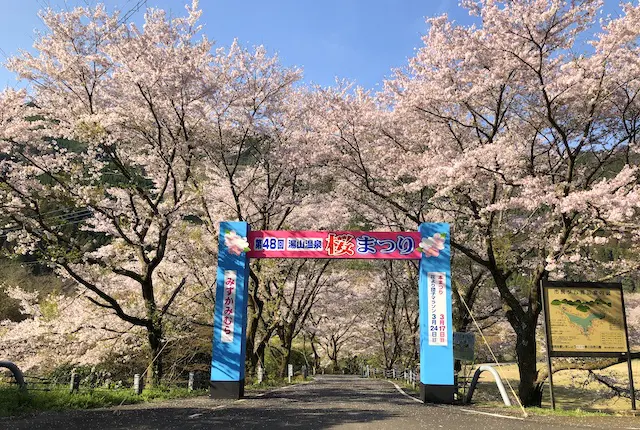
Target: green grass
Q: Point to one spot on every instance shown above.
(560, 412)
(15, 402)
(576, 413)
(275, 382)
(573, 390)
(409, 388)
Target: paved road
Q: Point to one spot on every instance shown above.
(331, 402)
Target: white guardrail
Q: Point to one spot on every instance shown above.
(409, 375)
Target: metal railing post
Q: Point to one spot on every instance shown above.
(497, 378)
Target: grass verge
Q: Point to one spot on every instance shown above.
(576, 413)
(15, 402)
(267, 384)
(498, 406)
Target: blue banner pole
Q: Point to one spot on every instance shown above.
(437, 383)
(230, 316)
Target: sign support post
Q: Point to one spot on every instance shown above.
(632, 390)
(547, 331)
(437, 383)
(230, 317)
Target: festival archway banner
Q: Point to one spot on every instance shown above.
(430, 244)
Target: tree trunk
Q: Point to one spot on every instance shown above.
(316, 356)
(286, 340)
(155, 369)
(285, 361)
(252, 328)
(529, 391)
(254, 313)
(259, 355)
(154, 331)
(332, 352)
(336, 366)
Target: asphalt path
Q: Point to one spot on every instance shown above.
(329, 402)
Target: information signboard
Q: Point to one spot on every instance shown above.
(585, 319)
(464, 346)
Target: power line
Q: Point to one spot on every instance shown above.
(58, 225)
(132, 11)
(65, 218)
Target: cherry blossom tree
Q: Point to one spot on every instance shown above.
(257, 169)
(396, 316)
(60, 329)
(340, 319)
(163, 139)
(111, 125)
(290, 291)
(527, 148)
(516, 131)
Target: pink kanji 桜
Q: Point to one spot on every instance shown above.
(235, 244)
(431, 246)
(340, 244)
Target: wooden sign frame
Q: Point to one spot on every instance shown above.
(545, 286)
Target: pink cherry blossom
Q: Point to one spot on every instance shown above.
(235, 244)
(432, 246)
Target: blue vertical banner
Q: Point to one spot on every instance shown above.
(230, 316)
(436, 331)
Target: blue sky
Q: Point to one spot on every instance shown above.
(360, 40)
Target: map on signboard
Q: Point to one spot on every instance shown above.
(586, 319)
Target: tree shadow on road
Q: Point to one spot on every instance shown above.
(308, 418)
(238, 416)
(343, 395)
